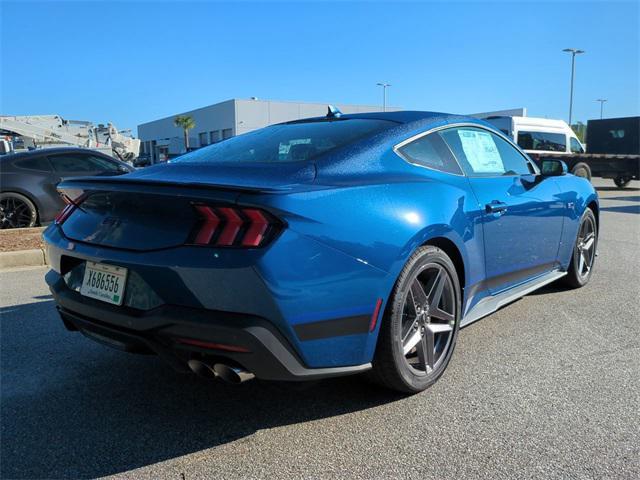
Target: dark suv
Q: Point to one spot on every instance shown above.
(28, 181)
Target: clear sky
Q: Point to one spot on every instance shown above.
(131, 62)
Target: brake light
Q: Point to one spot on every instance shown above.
(69, 208)
(234, 227)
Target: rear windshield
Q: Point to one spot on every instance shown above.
(291, 142)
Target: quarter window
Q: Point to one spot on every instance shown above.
(482, 153)
(430, 151)
(542, 141)
(38, 163)
(575, 145)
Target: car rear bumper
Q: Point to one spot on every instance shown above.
(248, 341)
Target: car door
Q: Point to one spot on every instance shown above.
(523, 212)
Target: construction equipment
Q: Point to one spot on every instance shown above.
(42, 131)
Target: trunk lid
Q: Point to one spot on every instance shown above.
(153, 208)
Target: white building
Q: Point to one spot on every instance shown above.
(161, 139)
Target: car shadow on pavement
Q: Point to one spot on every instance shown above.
(622, 209)
(75, 409)
(630, 198)
(617, 189)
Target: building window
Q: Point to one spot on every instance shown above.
(214, 136)
(203, 138)
(227, 133)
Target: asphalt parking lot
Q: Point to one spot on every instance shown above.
(545, 388)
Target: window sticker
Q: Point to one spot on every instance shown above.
(481, 151)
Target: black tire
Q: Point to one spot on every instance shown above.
(579, 274)
(581, 170)
(17, 211)
(622, 181)
(392, 368)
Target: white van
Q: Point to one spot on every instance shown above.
(538, 135)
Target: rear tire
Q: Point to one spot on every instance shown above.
(584, 252)
(581, 170)
(622, 181)
(17, 211)
(420, 326)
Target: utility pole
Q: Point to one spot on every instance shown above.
(573, 52)
(384, 94)
(601, 100)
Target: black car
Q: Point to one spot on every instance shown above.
(28, 181)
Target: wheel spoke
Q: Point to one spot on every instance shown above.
(407, 332)
(435, 295)
(581, 263)
(439, 328)
(417, 293)
(588, 242)
(425, 353)
(585, 261)
(412, 342)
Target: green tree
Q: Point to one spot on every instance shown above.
(580, 129)
(186, 123)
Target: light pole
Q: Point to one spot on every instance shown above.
(384, 94)
(601, 100)
(573, 52)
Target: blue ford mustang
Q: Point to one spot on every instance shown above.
(318, 248)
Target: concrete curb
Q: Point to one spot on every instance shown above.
(23, 258)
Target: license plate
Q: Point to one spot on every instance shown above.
(104, 282)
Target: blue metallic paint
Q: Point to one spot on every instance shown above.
(353, 219)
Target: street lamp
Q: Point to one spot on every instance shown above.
(573, 52)
(384, 94)
(601, 100)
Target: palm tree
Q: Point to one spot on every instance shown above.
(186, 123)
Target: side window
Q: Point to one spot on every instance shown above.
(482, 153)
(69, 163)
(102, 164)
(430, 151)
(575, 146)
(78, 163)
(39, 163)
(545, 141)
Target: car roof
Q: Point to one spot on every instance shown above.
(49, 151)
(404, 117)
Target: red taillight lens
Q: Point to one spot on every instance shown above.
(234, 227)
(69, 208)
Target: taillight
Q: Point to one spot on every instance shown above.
(69, 208)
(225, 226)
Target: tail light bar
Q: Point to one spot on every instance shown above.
(69, 208)
(226, 226)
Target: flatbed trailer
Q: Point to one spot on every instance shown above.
(622, 168)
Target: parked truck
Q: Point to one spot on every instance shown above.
(613, 145)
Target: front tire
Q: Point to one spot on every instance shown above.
(420, 327)
(584, 252)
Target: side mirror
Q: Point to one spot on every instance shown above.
(552, 167)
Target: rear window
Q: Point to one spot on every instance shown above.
(38, 163)
(554, 142)
(292, 142)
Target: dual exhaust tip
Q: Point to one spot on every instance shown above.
(233, 375)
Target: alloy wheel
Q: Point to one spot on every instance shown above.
(586, 247)
(428, 319)
(15, 213)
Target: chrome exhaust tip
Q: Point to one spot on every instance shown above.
(234, 375)
(201, 369)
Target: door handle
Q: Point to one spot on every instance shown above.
(496, 207)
